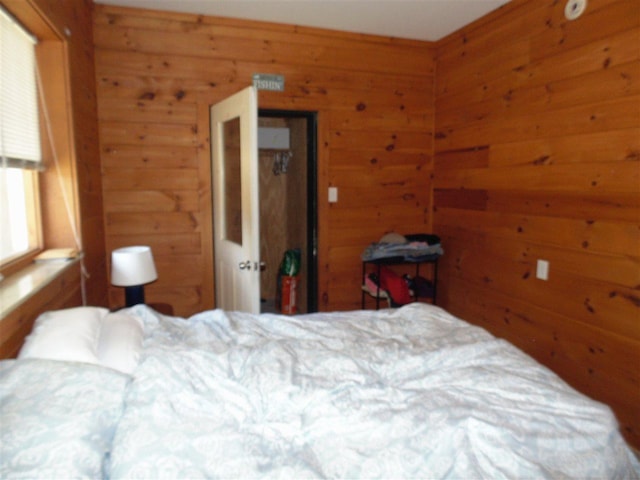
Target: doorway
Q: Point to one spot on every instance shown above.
(287, 172)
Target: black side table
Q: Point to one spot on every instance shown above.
(379, 262)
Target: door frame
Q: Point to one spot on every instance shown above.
(311, 118)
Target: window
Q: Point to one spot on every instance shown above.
(20, 147)
(45, 162)
(18, 212)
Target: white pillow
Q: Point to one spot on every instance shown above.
(120, 341)
(71, 334)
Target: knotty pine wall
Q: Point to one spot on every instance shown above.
(537, 156)
(158, 72)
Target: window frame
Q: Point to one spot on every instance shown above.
(55, 187)
(29, 176)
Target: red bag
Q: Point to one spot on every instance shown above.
(395, 285)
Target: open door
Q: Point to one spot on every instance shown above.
(234, 151)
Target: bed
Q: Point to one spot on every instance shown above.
(412, 392)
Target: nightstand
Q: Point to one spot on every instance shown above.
(163, 308)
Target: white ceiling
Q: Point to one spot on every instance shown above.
(414, 19)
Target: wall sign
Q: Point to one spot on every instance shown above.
(265, 81)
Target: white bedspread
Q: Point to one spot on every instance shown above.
(57, 418)
(410, 393)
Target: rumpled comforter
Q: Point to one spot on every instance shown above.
(57, 418)
(407, 393)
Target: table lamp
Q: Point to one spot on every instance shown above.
(132, 268)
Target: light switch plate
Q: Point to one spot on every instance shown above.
(542, 270)
(333, 194)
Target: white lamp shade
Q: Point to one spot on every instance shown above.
(132, 266)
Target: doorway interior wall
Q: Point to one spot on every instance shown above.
(288, 206)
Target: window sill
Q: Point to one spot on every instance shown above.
(18, 288)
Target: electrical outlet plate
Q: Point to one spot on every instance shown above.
(574, 8)
(333, 194)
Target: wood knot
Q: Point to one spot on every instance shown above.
(541, 160)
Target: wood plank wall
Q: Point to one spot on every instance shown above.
(537, 150)
(157, 72)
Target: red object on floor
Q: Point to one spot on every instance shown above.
(289, 295)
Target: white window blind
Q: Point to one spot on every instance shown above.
(19, 126)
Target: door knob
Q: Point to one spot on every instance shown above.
(245, 265)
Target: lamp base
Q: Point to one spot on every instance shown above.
(134, 295)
